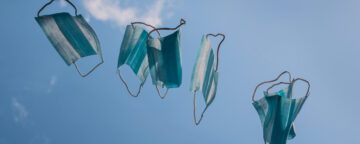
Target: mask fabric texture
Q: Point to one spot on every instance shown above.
(204, 76)
(277, 112)
(133, 51)
(71, 36)
(164, 60)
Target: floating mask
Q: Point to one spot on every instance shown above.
(133, 53)
(205, 76)
(277, 111)
(72, 36)
(164, 59)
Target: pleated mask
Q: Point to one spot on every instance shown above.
(277, 111)
(164, 59)
(133, 52)
(71, 36)
(205, 76)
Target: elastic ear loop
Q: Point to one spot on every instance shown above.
(217, 63)
(218, 49)
(253, 96)
(42, 8)
(202, 114)
(182, 21)
(132, 24)
(293, 82)
(122, 79)
(304, 80)
(84, 75)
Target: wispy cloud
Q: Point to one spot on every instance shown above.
(113, 11)
(20, 112)
(53, 80)
(87, 18)
(52, 83)
(40, 139)
(63, 3)
(153, 15)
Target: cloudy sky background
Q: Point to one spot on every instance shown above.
(43, 101)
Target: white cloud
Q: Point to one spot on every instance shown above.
(87, 18)
(52, 83)
(169, 15)
(20, 112)
(63, 3)
(112, 11)
(53, 80)
(153, 16)
(40, 139)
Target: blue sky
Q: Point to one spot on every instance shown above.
(43, 101)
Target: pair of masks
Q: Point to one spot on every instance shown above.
(158, 56)
(277, 111)
(72, 36)
(205, 75)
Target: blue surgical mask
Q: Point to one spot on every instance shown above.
(277, 112)
(205, 76)
(164, 59)
(133, 52)
(72, 36)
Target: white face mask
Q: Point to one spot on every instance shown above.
(205, 76)
(72, 36)
(133, 52)
(277, 112)
(164, 59)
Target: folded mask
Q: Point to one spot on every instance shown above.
(164, 59)
(277, 112)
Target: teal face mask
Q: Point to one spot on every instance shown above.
(205, 76)
(72, 36)
(133, 52)
(164, 59)
(277, 111)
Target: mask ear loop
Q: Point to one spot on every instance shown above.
(132, 24)
(217, 63)
(182, 22)
(47, 4)
(122, 79)
(202, 114)
(127, 87)
(84, 75)
(304, 80)
(253, 96)
(218, 49)
(307, 92)
(158, 91)
(272, 86)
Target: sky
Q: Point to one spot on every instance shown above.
(44, 101)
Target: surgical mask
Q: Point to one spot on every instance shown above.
(164, 59)
(205, 76)
(133, 52)
(277, 111)
(72, 36)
